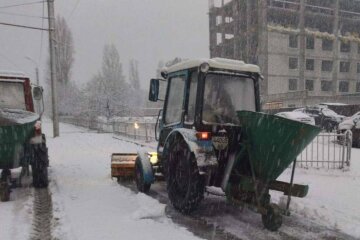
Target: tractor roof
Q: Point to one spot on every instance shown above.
(12, 75)
(220, 63)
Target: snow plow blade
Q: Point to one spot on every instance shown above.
(123, 165)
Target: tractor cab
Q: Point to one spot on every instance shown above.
(204, 96)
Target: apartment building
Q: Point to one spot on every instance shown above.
(308, 50)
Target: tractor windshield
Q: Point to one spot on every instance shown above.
(224, 95)
(12, 95)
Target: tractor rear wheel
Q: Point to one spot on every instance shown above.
(139, 178)
(185, 185)
(272, 220)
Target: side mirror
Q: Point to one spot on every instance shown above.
(37, 92)
(154, 90)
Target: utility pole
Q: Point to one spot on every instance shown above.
(51, 16)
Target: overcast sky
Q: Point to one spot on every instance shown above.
(146, 30)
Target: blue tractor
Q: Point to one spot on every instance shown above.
(211, 133)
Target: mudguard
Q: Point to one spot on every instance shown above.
(144, 160)
(202, 149)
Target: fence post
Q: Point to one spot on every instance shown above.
(146, 132)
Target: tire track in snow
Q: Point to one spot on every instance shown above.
(195, 224)
(42, 215)
(215, 219)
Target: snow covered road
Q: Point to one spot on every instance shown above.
(88, 204)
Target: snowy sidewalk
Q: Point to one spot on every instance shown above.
(88, 204)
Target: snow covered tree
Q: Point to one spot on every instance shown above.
(108, 92)
(134, 74)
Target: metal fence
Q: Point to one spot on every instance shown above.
(141, 130)
(327, 150)
(136, 128)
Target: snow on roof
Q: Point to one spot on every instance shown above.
(221, 63)
(334, 104)
(293, 115)
(5, 73)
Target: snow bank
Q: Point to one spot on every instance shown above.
(333, 198)
(88, 204)
(149, 208)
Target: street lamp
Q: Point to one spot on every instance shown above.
(136, 126)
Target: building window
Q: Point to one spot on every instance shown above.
(344, 67)
(326, 86)
(293, 41)
(343, 86)
(218, 38)
(357, 87)
(292, 84)
(218, 20)
(310, 42)
(345, 46)
(326, 66)
(310, 64)
(309, 85)
(293, 63)
(327, 45)
(358, 67)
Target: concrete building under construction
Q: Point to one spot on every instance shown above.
(308, 50)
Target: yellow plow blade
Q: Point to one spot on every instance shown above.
(123, 165)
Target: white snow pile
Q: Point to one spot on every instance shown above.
(149, 208)
(333, 198)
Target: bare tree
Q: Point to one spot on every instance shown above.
(64, 50)
(67, 92)
(134, 74)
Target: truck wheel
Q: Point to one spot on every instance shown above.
(5, 185)
(272, 220)
(139, 178)
(185, 185)
(40, 167)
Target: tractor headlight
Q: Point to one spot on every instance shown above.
(153, 158)
(204, 67)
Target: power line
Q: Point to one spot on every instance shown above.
(23, 26)
(72, 12)
(42, 32)
(21, 4)
(21, 15)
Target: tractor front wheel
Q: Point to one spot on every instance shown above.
(272, 220)
(185, 185)
(139, 178)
